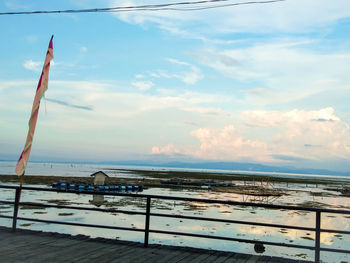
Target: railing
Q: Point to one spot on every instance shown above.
(148, 214)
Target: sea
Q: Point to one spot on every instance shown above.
(86, 169)
(295, 195)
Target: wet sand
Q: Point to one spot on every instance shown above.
(255, 185)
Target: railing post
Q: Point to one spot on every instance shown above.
(317, 236)
(148, 211)
(15, 209)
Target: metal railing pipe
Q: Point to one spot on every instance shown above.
(148, 213)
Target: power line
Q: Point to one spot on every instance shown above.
(187, 6)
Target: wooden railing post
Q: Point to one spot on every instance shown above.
(15, 209)
(148, 211)
(318, 236)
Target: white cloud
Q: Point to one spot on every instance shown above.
(275, 17)
(36, 66)
(189, 77)
(168, 149)
(143, 85)
(318, 135)
(230, 63)
(221, 144)
(33, 65)
(144, 17)
(226, 144)
(209, 111)
(129, 114)
(175, 61)
(102, 96)
(282, 71)
(257, 91)
(276, 118)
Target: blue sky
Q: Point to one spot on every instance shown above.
(264, 83)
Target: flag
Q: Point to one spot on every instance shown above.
(40, 91)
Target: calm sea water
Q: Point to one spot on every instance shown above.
(82, 170)
(298, 194)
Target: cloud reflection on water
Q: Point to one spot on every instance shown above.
(297, 218)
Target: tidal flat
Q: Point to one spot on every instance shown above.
(295, 191)
(243, 184)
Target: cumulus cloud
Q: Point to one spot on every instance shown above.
(221, 144)
(227, 144)
(278, 137)
(296, 133)
(117, 114)
(168, 149)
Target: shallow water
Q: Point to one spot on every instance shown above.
(85, 169)
(297, 218)
(294, 195)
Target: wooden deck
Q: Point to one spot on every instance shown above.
(32, 246)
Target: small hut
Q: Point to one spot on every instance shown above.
(99, 178)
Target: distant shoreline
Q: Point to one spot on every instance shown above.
(153, 177)
(205, 167)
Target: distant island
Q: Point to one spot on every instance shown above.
(229, 166)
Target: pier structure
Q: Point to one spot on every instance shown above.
(33, 246)
(11, 242)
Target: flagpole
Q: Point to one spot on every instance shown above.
(23, 159)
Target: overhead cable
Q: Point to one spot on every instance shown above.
(178, 6)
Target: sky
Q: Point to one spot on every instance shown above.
(262, 83)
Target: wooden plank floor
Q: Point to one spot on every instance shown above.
(32, 246)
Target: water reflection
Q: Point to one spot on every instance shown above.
(98, 200)
(296, 218)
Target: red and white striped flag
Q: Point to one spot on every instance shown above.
(40, 91)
